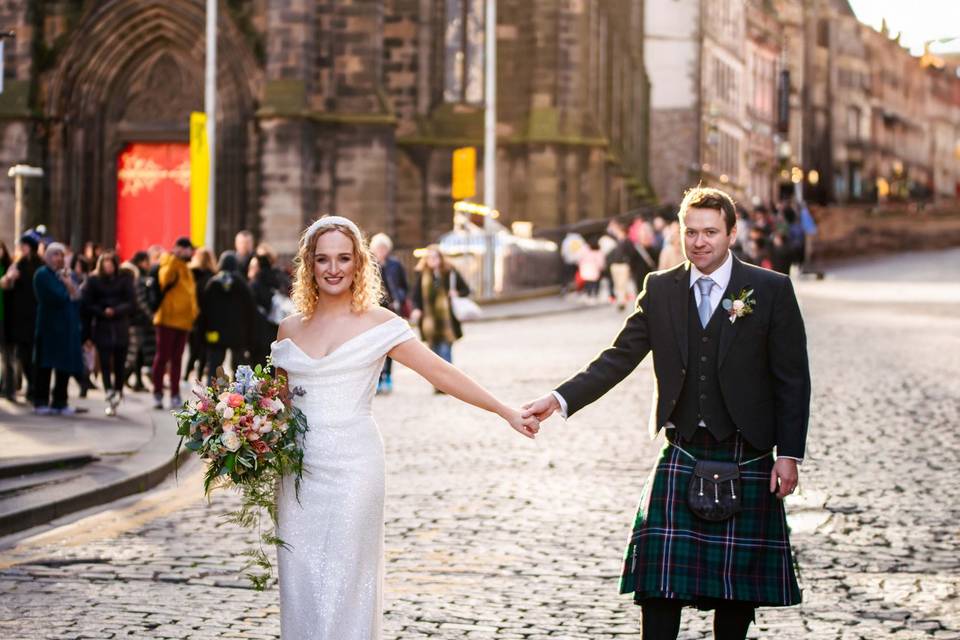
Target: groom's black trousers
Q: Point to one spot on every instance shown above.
(661, 619)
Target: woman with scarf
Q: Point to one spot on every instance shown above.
(434, 286)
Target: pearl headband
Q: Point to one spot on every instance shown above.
(329, 221)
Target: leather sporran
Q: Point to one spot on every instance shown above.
(714, 490)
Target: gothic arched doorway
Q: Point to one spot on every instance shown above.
(126, 84)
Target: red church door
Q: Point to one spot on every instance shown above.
(153, 195)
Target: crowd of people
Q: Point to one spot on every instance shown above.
(173, 314)
(78, 315)
(618, 260)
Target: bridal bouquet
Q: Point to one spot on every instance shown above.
(250, 435)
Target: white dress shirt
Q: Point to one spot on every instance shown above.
(721, 278)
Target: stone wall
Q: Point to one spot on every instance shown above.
(16, 123)
(672, 152)
(850, 231)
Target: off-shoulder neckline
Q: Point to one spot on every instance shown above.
(342, 344)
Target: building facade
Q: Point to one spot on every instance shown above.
(873, 121)
(775, 98)
(349, 107)
(714, 69)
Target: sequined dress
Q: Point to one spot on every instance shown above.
(332, 575)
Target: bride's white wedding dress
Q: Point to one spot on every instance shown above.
(331, 576)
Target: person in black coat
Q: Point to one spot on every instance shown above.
(142, 344)
(203, 267)
(395, 295)
(264, 283)
(228, 313)
(109, 303)
(20, 318)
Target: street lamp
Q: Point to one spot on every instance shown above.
(490, 138)
(18, 172)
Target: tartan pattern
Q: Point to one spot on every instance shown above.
(674, 554)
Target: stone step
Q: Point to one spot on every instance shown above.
(24, 465)
(37, 480)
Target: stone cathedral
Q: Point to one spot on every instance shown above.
(351, 107)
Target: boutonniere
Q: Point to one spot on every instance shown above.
(739, 305)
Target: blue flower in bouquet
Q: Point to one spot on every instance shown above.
(243, 379)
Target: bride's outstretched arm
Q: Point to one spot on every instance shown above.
(446, 377)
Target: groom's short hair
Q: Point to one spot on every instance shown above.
(710, 198)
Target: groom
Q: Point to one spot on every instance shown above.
(732, 385)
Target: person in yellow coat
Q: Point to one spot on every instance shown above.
(173, 319)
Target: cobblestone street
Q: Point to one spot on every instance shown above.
(492, 536)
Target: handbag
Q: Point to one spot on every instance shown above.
(89, 354)
(281, 306)
(464, 309)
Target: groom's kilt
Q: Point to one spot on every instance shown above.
(674, 554)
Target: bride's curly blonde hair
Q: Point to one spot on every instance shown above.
(366, 287)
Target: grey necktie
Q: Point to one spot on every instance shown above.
(705, 284)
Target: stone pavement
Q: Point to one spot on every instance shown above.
(493, 536)
(55, 465)
(51, 466)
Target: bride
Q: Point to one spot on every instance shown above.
(333, 348)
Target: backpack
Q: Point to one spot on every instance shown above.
(154, 294)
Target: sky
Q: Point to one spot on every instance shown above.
(919, 20)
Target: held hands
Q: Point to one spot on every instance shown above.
(527, 426)
(784, 474)
(541, 408)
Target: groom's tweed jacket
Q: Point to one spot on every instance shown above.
(762, 358)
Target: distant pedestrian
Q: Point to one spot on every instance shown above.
(281, 275)
(243, 250)
(91, 252)
(20, 318)
(672, 253)
(569, 252)
(203, 266)
(622, 261)
(80, 267)
(57, 334)
(154, 253)
(143, 339)
(173, 319)
(265, 285)
(436, 283)
(109, 301)
(5, 261)
(229, 314)
(590, 265)
(395, 295)
(649, 253)
(810, 231)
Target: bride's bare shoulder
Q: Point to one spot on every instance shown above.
(378, 315)
(290, 326)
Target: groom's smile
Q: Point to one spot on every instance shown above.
(706, 239)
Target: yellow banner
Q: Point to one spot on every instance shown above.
(199, 178)
(464, 173)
